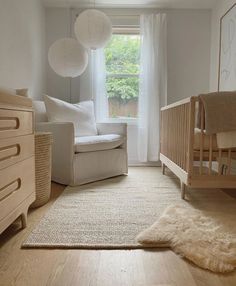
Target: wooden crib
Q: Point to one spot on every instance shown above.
(189, 153)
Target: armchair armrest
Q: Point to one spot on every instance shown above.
(112, 128)
(62, 149)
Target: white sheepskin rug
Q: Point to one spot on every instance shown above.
(208, 239)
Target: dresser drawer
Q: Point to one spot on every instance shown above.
(17, 182)
(15, 123)
(15, 149)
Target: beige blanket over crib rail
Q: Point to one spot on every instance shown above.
(220, 111)
(226, 140)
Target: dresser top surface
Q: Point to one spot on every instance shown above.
(10, 101)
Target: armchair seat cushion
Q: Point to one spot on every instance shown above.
(98, 142)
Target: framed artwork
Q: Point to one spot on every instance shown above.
(227, 61)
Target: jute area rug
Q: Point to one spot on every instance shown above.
(111, 213)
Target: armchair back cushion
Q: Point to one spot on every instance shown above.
(80, 114)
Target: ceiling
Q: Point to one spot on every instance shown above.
(174, 4)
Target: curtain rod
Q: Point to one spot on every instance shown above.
(136, 16)
(115, 15)
(109, 15)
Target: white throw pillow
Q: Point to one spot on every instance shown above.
(80, 114)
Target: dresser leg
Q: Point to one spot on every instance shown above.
(24, 219)
(183, 190)
(163, 168)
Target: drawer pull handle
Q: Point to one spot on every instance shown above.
(9, 152)
(9, 189)
(9, 123)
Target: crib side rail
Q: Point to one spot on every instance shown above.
(177, 132)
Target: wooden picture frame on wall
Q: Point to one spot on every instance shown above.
(227, 56)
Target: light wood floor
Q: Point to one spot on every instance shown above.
(94, 268)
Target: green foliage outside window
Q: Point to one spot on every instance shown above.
(122, 66)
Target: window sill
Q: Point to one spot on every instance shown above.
(129, 121)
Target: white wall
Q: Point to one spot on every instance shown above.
(57, 26)
(188, 56)
(22, 48)
(188, 53)
(219, 10)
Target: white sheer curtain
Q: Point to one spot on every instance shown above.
(98, 84)
(153, 84)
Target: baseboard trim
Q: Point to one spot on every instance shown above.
(141, 164)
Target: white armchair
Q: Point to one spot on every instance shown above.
(80, 160)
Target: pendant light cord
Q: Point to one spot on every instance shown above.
(69, 35)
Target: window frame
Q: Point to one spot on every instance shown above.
(124, 30)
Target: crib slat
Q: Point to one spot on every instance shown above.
(220, 162)
(201, 139)
(177, 124)
(182, 137)
(170, 136)
(187, 134)
(210, 156)
(191, 137)
(229, 162)
(183, 141)
(174, 138)
(178, 133)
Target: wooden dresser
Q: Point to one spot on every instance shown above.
(17, 163)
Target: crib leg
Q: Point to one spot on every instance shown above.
(163, 168)
(223, 170)
(183, 190)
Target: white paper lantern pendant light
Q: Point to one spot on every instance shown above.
(67, 57)
(93, 29)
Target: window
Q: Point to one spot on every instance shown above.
(122, 56)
